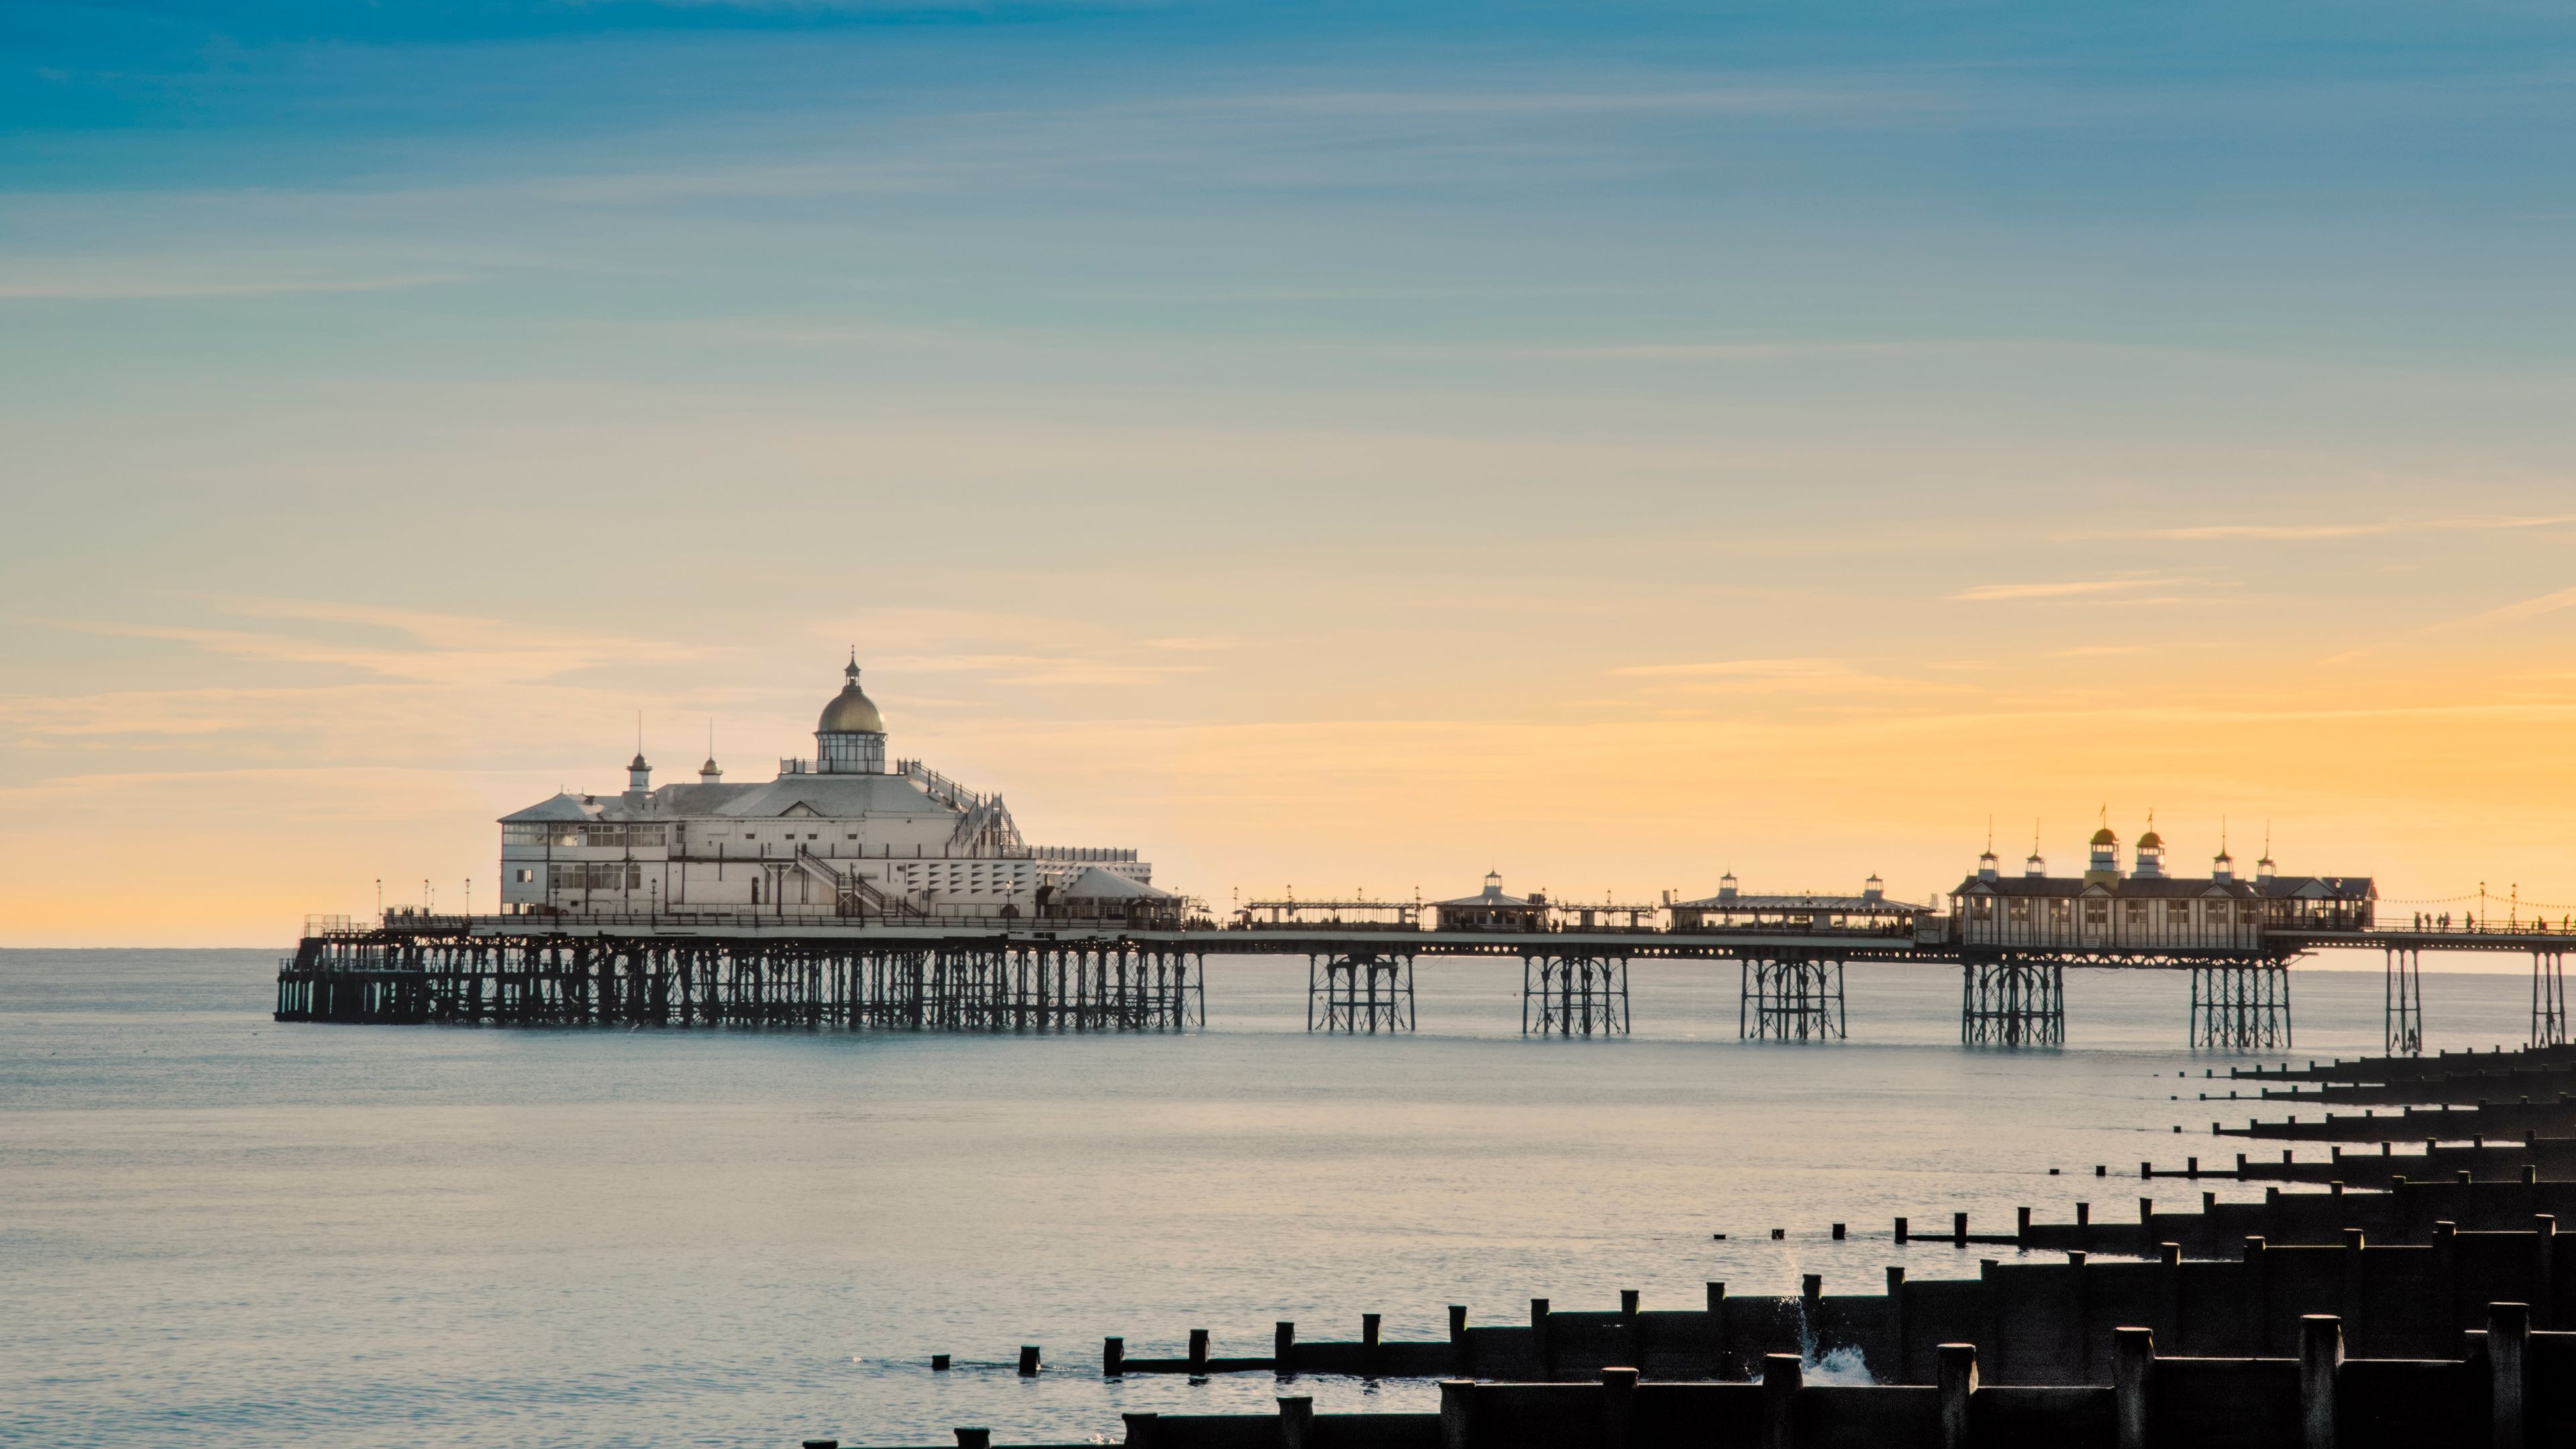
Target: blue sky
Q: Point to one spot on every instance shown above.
(1225, 423)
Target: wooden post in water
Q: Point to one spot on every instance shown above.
(1717, 1348)
(1461, 1358)
(1198, 1353)
(1283, 1349)
(1028, 1360)
(1368, 1344)
(2133, 1362)
(1538, 1340)
(1781, 1375)
(1296, 1422)
(1895, 1372)
(1113, 1358)
(1457, 1414)
(1618, 1408)
(1955, 1377)
(2508, 1345)
(2320, 1354)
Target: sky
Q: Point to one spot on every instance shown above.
(1324, 446)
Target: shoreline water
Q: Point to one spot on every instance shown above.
(260, 1234)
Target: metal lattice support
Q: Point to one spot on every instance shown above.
(1361, 992)
(1792, 999)
(1574, 995)
(2548, 999)
(1107, 985)
(2240, 1008)
(2404, 991)
(2012, 1003)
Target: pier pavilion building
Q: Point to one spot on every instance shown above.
(1733, 909)
(2145, 909)
(840, 835)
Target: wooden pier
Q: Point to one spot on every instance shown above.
(465, 974)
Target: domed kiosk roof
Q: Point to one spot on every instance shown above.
(851, 711)
(2104, 836)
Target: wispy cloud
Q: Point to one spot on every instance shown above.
(2297, 532)
(424, 646)
(1770, 676)
(148, 288)
(2064, 589)
(2527, 609)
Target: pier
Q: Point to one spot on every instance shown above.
(1094, 973)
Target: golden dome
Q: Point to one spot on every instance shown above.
(2151, 841)
(2104, 836)
(851, 711)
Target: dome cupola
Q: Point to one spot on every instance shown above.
(2151, 851)
(850, 737)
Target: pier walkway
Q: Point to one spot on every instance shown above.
(994, 974)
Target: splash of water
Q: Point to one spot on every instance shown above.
(1837, 1366)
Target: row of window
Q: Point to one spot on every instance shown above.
(2018, 912)
(596, 875)
(562, 833)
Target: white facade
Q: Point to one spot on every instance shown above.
(839, 835)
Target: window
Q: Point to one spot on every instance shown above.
(2097, 913)
(525, 876)
(2018, 912)
(2136, 914)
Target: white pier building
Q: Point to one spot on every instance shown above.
(839, 835)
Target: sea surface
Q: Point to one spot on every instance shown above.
(218, 1230)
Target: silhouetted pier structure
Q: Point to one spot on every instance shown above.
(1083, 974)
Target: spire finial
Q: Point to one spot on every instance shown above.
(1990, 835)
(853, 670)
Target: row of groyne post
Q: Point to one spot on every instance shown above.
(2427, 1304)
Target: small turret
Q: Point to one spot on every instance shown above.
(1986, 865)
(709, 774)
(1873, 889)
(639, 775)
(2151, 852)
(1726, 886)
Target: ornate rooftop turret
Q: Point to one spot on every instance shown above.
(2151, 852)
(850, 737)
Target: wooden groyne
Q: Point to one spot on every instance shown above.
(2397, 1311)
(2508, 1386)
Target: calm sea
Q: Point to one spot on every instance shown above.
(221, 1231)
